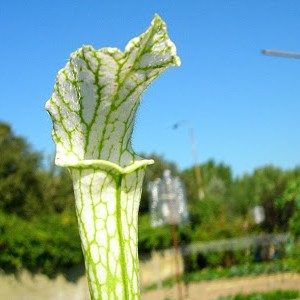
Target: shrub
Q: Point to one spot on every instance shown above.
(48, 245)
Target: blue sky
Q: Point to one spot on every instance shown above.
(243, 106)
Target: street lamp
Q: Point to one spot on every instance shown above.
(281, 53)
(198, 177)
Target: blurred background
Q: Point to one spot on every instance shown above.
(225, 124)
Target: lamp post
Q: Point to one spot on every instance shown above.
(197, 168)
(281, 53)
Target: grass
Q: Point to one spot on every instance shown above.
(251, 269)
(273, 295)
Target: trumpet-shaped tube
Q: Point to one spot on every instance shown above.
(95, 99)
(107, 204)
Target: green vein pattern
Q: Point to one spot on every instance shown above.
(107, 204)
(93, 106)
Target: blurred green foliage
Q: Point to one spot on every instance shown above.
(47, 244)
(38, 228)
(289, 201)
(273, 295)
(291, 265)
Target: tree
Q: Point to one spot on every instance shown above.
(216, 180)
(57, 192)
(20, 191)
(262, 188)
(289, 203)
(269, 183)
